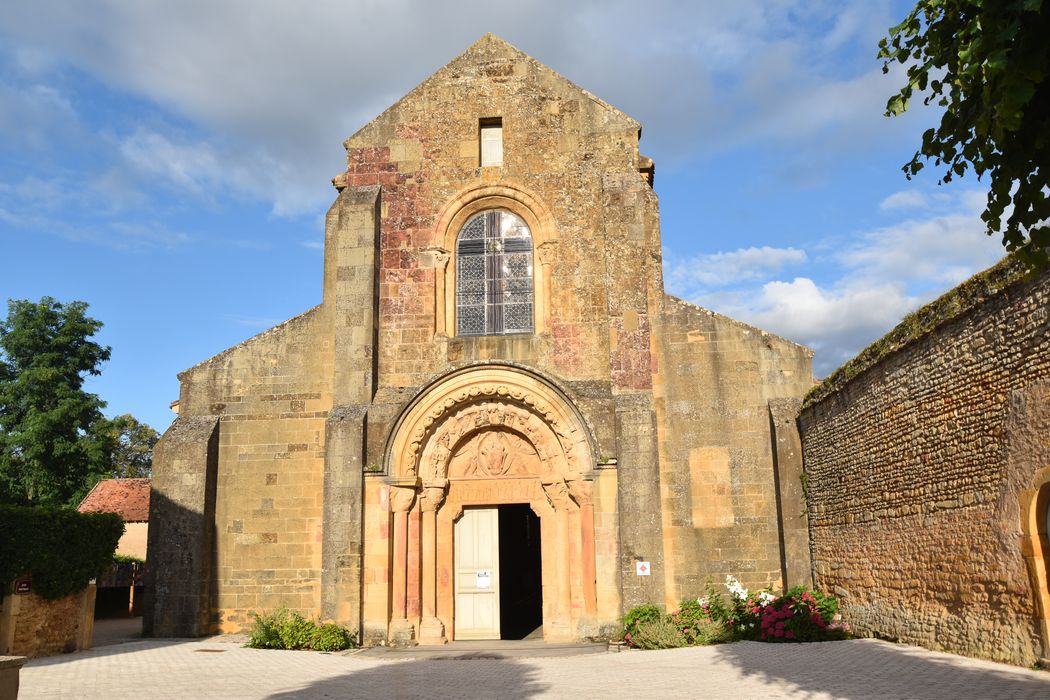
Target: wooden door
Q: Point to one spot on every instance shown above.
(477, 574)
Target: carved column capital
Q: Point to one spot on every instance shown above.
(438, 256)
(557, 493)
(546, 252)
(402, 498)
(580, 490)
(433, 495)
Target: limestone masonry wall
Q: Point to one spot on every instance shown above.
(715, 380)
(271, 395)
(914, 489)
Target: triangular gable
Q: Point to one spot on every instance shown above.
(480, 52)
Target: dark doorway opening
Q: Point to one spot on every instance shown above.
(521, 579)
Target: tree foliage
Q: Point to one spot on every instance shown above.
(60, 548)
(987, 63)
(52, 447)
(133, 441)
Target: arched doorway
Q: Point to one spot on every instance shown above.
(479, 441)
(1035, 523)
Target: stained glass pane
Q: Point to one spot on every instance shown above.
(494, 275)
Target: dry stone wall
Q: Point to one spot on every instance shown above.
(913, 504)
(34, 626)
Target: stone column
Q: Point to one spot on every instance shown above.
(558, 496)
(545, 252)
(581, 490)
(401, 630)
(441, 257)
(431, 630)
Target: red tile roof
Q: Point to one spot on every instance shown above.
(129, 498)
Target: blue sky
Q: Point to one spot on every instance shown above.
(169, 163)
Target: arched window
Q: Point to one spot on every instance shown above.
(494, 275)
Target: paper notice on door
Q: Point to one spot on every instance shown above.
(483, 579)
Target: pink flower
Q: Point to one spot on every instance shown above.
(778, 632)
(789, 634)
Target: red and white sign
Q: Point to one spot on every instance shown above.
(642, 568)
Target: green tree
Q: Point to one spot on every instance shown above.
(133, 442)
(987, 63)
(51, 445)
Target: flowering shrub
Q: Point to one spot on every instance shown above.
(696, 626)
(799, 615)
(741, 615)
(636, 617)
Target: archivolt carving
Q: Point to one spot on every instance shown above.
(467, 411)
(492, 438)
(490, 421)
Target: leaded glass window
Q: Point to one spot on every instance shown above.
(494, 275)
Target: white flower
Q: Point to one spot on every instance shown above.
(738, 591)
(702, 601)
(765, 598)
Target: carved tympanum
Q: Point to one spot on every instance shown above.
(493, 453)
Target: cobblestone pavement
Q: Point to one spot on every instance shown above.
(158, 669)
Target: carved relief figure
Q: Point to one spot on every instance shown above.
(493, 453)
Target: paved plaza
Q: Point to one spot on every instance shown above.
(159, 669)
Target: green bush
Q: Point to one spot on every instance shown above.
(264, 633)
(296, 632)
(636, 616)
(128, 559)
(696, 625)
(60, 548)
(283, 629)
(331, 637)
(657, 634)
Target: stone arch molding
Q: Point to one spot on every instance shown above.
(1035, 548)
(454, 214)
(471, 403)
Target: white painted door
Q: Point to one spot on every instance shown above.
(477, 574)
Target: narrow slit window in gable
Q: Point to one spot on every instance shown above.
(491, 142)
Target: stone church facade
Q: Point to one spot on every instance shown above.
(495, 420)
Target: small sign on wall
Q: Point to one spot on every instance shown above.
(642, 568)
(23, 586)
(483, 579)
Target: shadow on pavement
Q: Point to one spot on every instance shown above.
(875, 669)
(453, 678)
(109, 650)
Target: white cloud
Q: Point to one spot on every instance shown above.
(836, 322)
(941, 249)
(857, 289)
(906, 199)
(276, 91)
(204, 168)
(723, 268)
